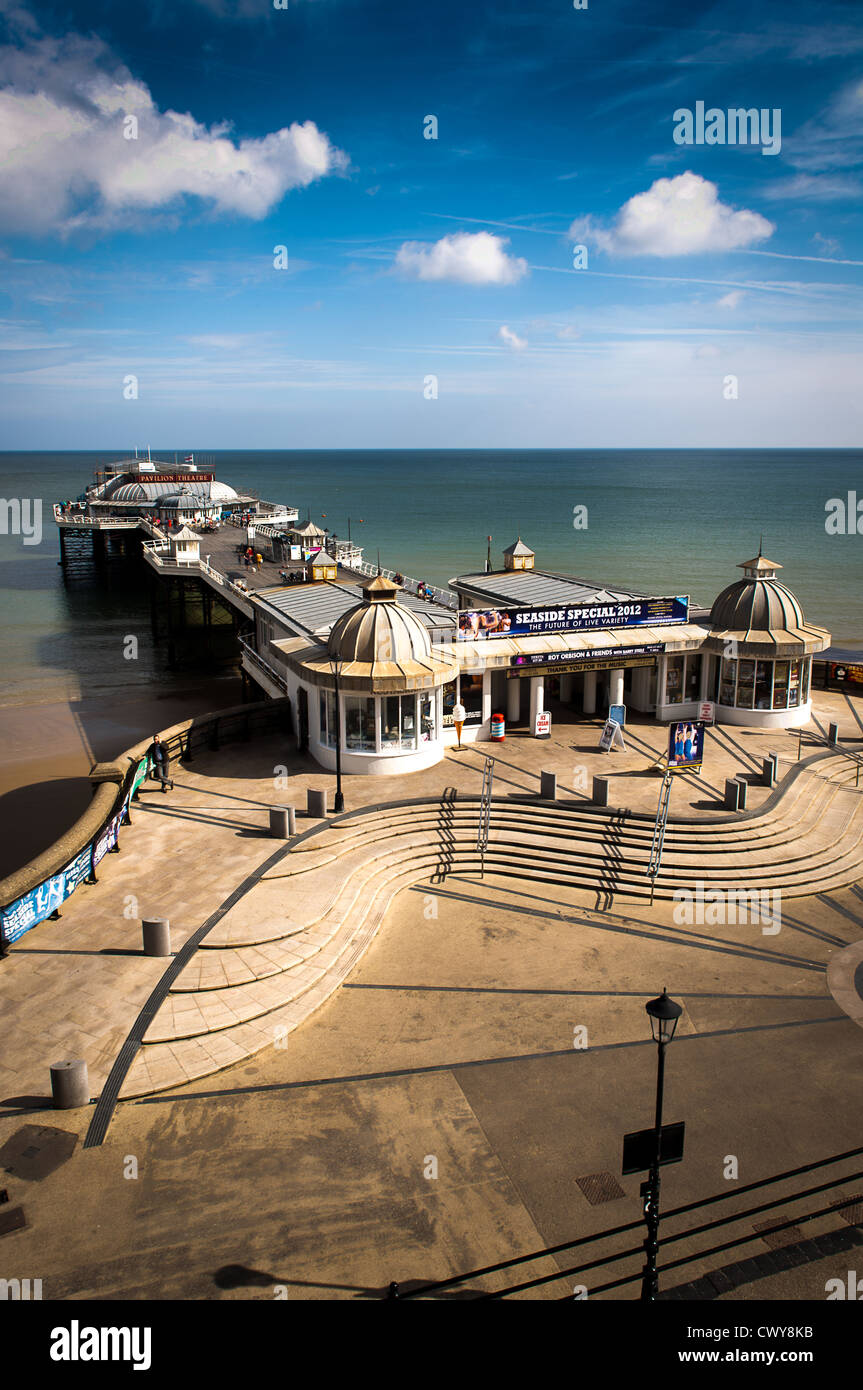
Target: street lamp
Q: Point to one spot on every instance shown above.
(335, 667)
(663, 1014)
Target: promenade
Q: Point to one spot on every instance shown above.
(444, 1028)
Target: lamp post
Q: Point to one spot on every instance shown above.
(335, 667)
(663, 1014)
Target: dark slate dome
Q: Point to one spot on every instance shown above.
(757, 603)
(761, 614)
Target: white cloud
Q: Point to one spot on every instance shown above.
(512, 340)
(680, 216)
(730, 300)
(64, 161)
(468, 258)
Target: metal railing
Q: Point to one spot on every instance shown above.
(159, 554)
(442, 596)
(484, 813)
(278, 677)
(658, 842)
(850, 1205)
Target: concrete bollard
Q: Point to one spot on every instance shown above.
(548, 786)
(744, 791)
(732, 794)
(833, 734)
(157, 936)
(599, 796)
(283, 822)
(768, 771)
(317, 804)
(70, 1085)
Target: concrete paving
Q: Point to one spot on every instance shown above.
(310, 1165)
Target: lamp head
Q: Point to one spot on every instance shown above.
(663, 1013)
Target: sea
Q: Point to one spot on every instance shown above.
(667, 522)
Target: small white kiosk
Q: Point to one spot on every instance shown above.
(379, 665)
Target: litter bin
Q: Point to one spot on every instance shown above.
(498, 728)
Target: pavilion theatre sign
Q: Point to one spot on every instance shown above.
(178, 477)
(600, 659)
(477, 623)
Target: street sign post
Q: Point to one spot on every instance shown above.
(639, 1148)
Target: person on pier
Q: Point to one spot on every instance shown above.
(160, 763)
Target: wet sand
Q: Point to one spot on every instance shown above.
(46, 752)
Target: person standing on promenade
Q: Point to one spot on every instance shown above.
(160, 762)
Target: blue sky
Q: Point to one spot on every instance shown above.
(720, 304)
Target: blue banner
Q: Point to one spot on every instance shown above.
(40, 902)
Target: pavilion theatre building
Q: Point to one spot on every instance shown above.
(522, 641)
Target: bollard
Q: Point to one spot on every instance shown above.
(732, 794)
(283, 822)
(70, 1085)
(599, 796)
(548, 786)
(768, 770)
(157, 936)
(317, 804)
(744, 789)
(833, 734)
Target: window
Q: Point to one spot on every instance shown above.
(398, 722)
(807, 671)
(746, 685)
(693, 676)
(427, 718)
(794, 684)
(328, 718)
(728, 681)
(674, 680)
(471, 698)
(359, 722)
(780, 684)
(763, 684)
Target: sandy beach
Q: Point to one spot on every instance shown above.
(46, 752)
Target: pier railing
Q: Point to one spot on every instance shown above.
(159, 553)
(251, 654)
(37, 891)
(444, 597)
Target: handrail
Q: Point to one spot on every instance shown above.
(255, 657)
(442, 596)
(593, 1238)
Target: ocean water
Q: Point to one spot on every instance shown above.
(668, 522)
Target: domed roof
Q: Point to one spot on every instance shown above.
(379, 629)
(760, 605)
(762, 615)
(127, 492)
(144, 490)
(222, 492)
(380, 648)
(180, 501)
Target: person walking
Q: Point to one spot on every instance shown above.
(160, 763)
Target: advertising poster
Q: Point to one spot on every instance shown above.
(108, 839)
(40, 902)
(475, 624)
(686, 745)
